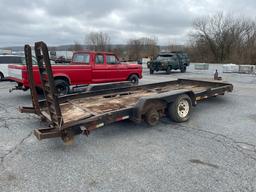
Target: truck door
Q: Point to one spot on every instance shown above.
(112, 68)
(176, 62)
(99, 74)
(80, 70)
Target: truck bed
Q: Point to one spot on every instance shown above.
(74, 109)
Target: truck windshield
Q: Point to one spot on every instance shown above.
(164, 57)
(81, 58)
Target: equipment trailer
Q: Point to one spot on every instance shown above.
(81, 113)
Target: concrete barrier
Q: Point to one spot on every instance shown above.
(247, 69)
(230, 68)
(201, 66)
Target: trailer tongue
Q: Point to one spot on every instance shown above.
(81, 113)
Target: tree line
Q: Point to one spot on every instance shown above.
(223, 39)
(135, 49)
(213, 39)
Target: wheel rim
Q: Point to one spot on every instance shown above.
(183, 108)
(153, 119)
(61, 90)
(134, 80)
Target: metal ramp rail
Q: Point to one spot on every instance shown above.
(52, 114)
(47, 83)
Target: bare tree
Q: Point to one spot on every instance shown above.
(142, 47)
(221, 38)
(77, 46)
(98, 41)
(134, 49)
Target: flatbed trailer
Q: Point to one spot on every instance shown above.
(81, 113)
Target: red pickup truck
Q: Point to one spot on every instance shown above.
(86, 67)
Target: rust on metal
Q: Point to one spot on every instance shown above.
(47, 83)
(33, 93)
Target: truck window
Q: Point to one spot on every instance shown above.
(81, 58)
(164, 57)
(99, 59)
(111, 59)
(23, 61)
(10, 60)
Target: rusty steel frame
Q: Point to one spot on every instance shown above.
(47, 83)
(33, 93)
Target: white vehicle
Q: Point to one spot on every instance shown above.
(5, 60)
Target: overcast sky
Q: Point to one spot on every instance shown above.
(59, 22)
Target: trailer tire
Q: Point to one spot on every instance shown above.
(152, 117)
(180, 110)
(134, 79)
(61, 86)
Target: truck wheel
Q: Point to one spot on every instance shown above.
(183, 69)
(151, 71)
(39, 91)
(152, 117)
(134, 79)
(61, 86)
(168, 70)
(1, 76)
(179, 111)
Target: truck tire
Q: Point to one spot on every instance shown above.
(134, 79)
(180, 110)
(183, 69)
(1, 76)
(151, 71)
(61, 86)
(152, 117)
(168, 70)
(39, 91)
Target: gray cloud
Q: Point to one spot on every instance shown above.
(63, 22)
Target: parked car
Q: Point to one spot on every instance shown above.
(167, 61)
(5, 60)
(86, 67)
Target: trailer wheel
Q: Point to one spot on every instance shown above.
(179, 111)
(152, 117)
(151, 71)
(61, 86)
(134, 79)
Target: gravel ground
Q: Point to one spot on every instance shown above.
(214, 151)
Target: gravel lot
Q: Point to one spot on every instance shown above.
(214, 151)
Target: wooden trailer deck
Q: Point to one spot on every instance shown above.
(82, 108)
